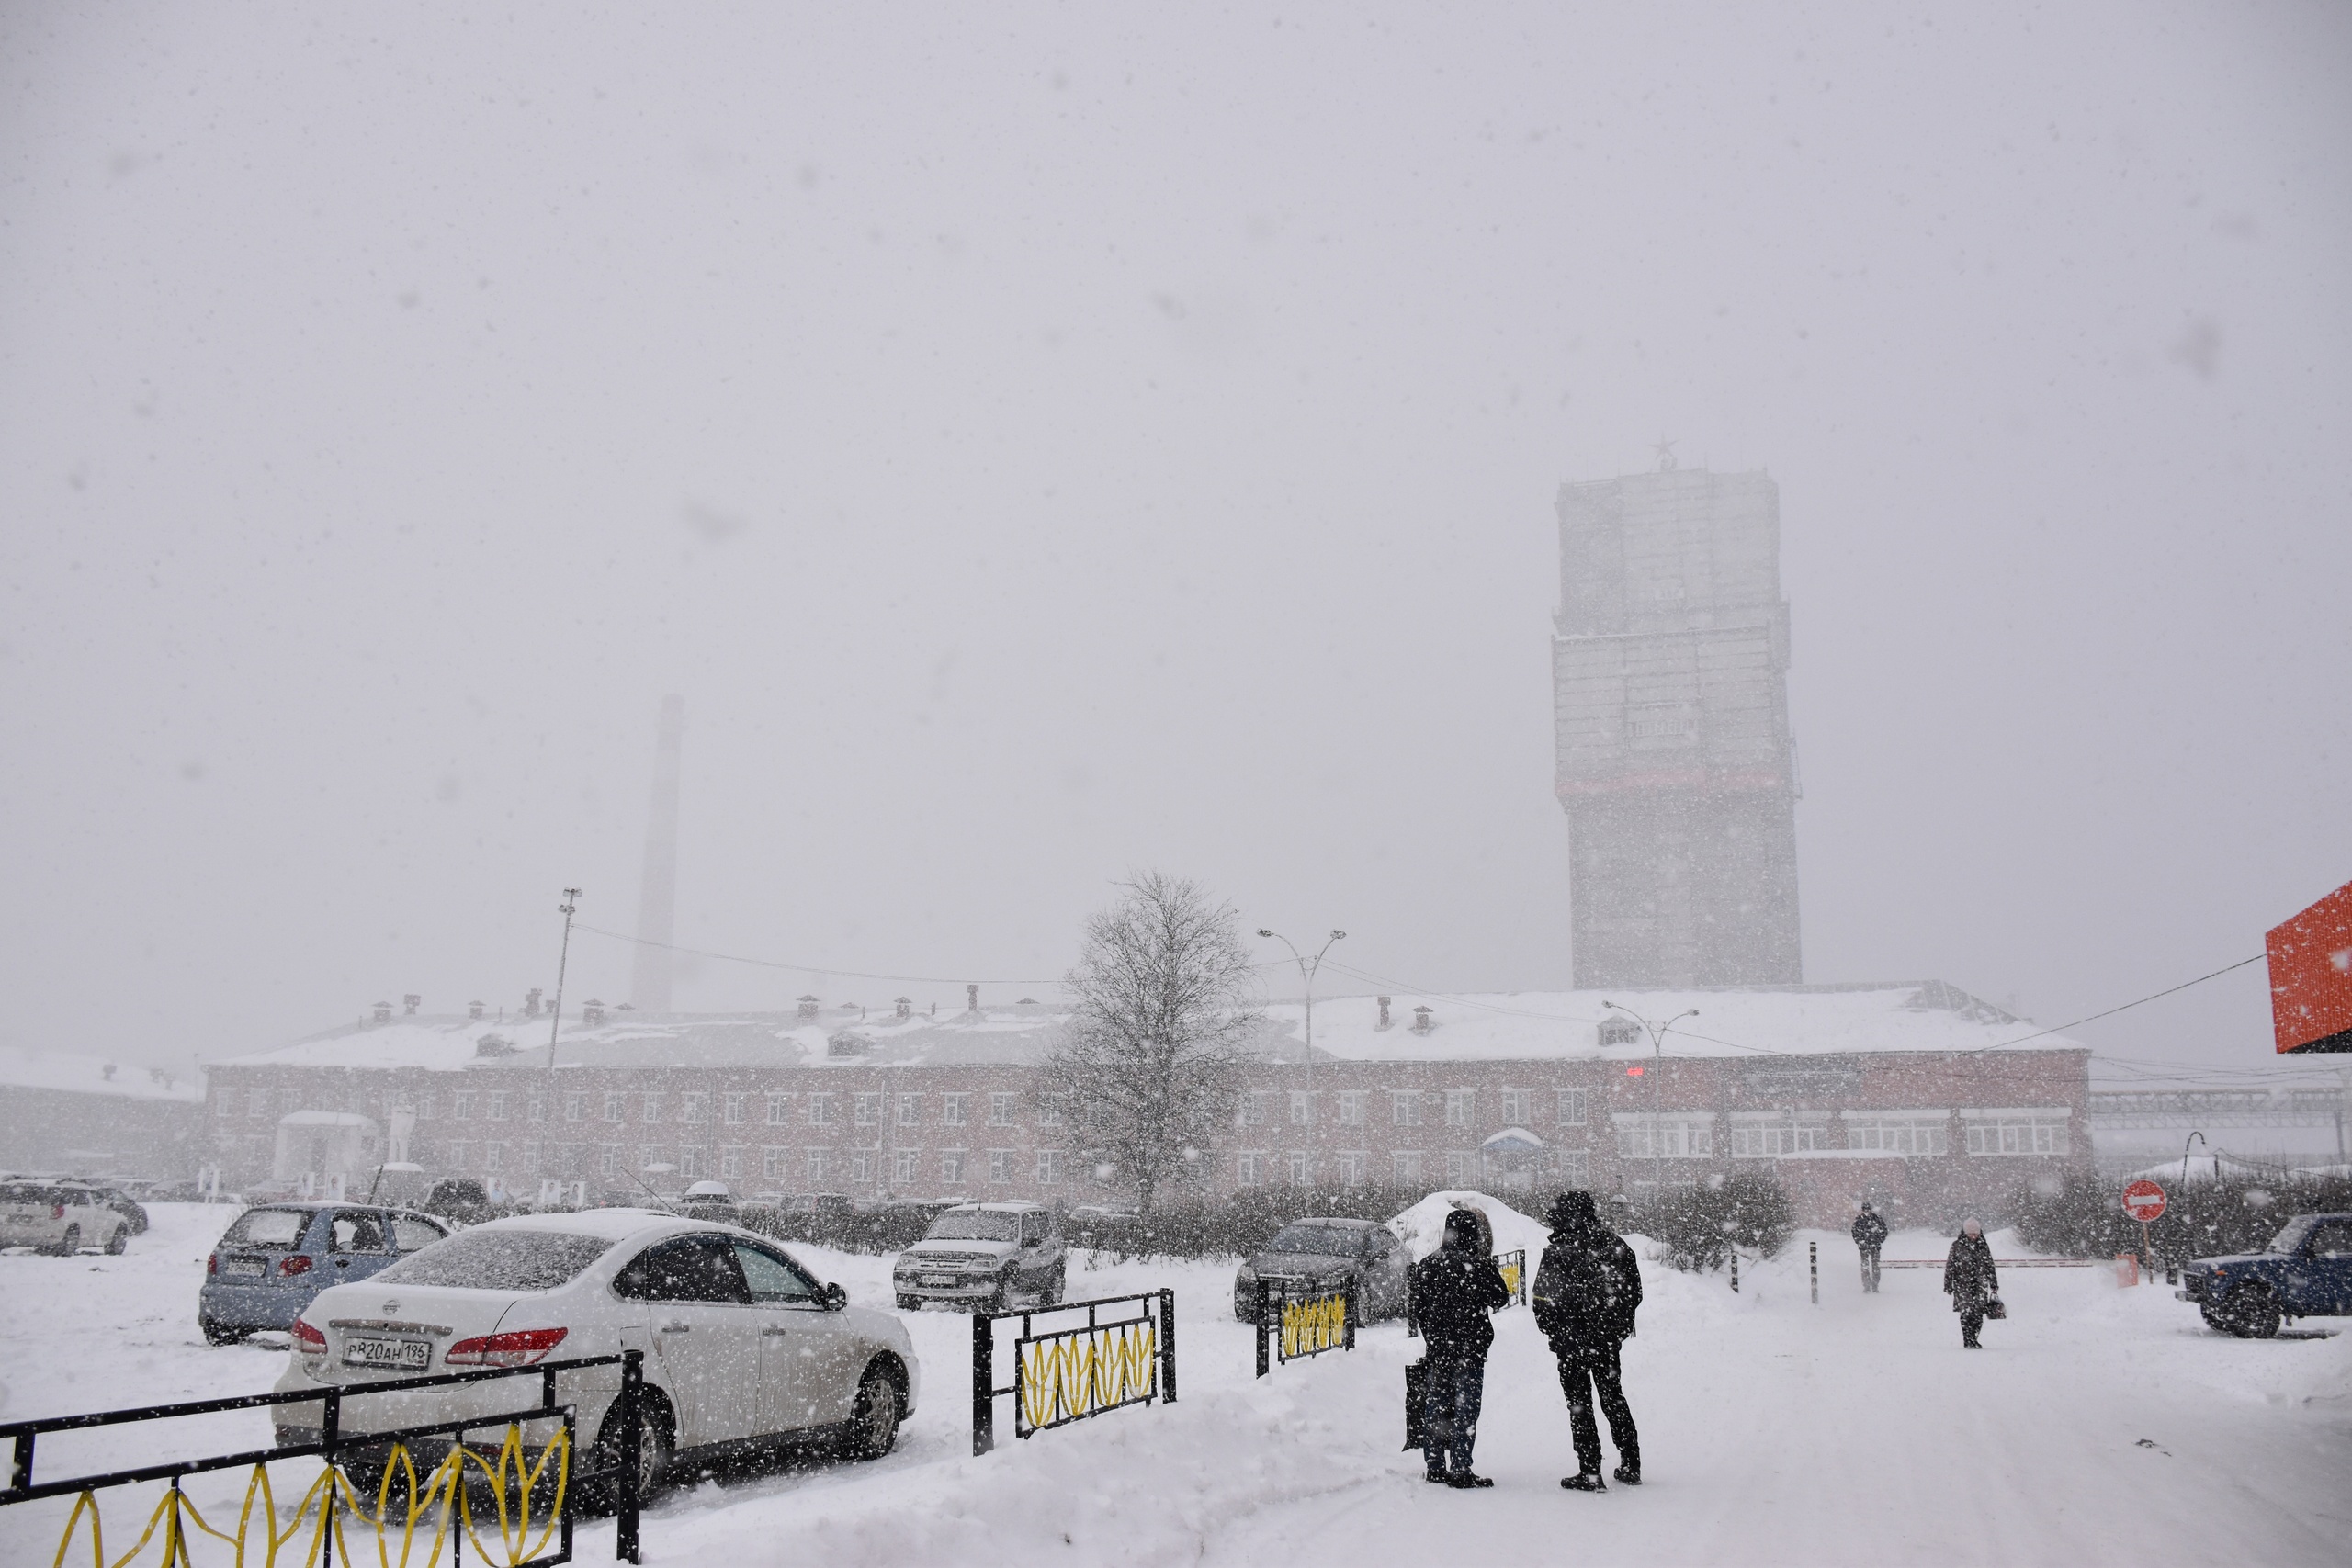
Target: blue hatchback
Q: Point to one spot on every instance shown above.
(275, 1258)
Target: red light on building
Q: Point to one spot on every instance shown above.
(2311, 976)
(1632, 1072)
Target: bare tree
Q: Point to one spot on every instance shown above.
(1150, 1058)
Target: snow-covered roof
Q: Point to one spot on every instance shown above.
(1509, 1026)
(92, 1074)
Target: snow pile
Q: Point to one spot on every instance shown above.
(1422, 1227)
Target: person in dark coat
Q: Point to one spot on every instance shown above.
(1453, 1293)
(1970, 1280)
(1585, 1293)
(1870, 1235)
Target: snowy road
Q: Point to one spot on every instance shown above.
(2099, 1425)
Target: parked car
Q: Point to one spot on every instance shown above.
(820, 1217)
(985, 1255)
(746, 1351)
(1315, 1256)
(2306, 1273)
(274, 1259)
(710, 1201)
(60, 1217)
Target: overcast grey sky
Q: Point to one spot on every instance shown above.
(1042, 441)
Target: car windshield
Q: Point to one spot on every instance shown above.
(1321, 1241)
(976, 1224)
(500, 1260)
(278, 1230)
(2291, 1235)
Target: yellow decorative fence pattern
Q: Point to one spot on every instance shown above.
(1514, 1264)
(1093, 1369)
(332, 1503)
(1318, 1323)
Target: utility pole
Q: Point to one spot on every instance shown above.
(555, 1020)
(1657, 1070)
(1307, 968)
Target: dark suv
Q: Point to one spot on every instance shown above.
(1313, 1257)
(2307, 1272)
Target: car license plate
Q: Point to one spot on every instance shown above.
(244, 1267)
(402, 1355)
(939, 1279)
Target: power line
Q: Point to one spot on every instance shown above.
(2127, 1006)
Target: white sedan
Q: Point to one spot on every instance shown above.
(745, 1350)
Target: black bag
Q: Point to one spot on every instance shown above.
(1994, 1310)
(1417, 1375)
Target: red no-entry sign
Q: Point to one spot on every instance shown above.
(2144, 1201)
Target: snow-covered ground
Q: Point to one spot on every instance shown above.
(2099, 1426)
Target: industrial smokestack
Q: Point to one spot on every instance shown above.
(657, 897)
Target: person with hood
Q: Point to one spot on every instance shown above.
(1970, 1280)
(1585, 1293)
(1453, 1293)
(1870, 1235)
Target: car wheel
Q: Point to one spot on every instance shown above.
(1055, 1289)
(2252, 1314)
(117, 1242)
(874, 1420)
(218, 1333)
(71, 1242)
(910, 1303)
(1000, 1299)
(657, 1448)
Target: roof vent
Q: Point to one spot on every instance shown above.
(531, 1002)
(410, 1003)
(905, 1006)
(107, 1072)
(1620, 1031)
(1383, 1014)
(592, 1013)
(383, 1013)
(1422, 1021)
(475, 1010)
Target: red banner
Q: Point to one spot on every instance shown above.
(2311, 976)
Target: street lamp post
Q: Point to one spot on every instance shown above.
(1656, 1031)
(1306, 968)
(555, 1023)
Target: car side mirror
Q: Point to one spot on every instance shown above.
(835, 1298)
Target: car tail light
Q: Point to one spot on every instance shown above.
(523, 1348)
(57, 1211)
(293, 1264)
(213, 1264)
(309, 1341)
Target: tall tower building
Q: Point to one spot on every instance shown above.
(657, 893)
(1675, 764)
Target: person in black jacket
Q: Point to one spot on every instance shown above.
(1586, 1294)
(1970, 1280)
(1454, 1292)
(1870, 1235)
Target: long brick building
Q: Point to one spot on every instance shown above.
(1903, 1093)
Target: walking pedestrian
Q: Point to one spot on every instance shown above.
(1970, 1280)
(1455, 1290)
(1870, 1235)
(1585, 1293)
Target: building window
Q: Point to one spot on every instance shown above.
(257, 1102)
(648, 1156)
(902, 1167)
(730, 1161)
(999, 1165)
(815, 1166)
(1572, 1167)
(1049, 1109)
(820, 1110)
(1407, 1110)
(1668, 1136)
(950, 1109)
(1302, 1108)
(1458, 1102)
(538, 1107)
(615, 1107)
(458, 1152)
(951, 1167)
(1257, 1108)
(1571, 1107)
(1049, 1168)
(224, 1102)
(608, 1160)
(1350, 1167)
(575, 1108)
(779, 1108)
(869, 1110)
(428, 1107)
(1352, 1106)
(1457, 1168)
(290, 1100)
(461, 1105)
(693, 1164)
(1915, 1132)
(1515, 1108)
(497, 1105)
(1405, 1166)
(652, 1107)
(1765, 1137)
(1302, 1168)
(2017, 1134)
(861, 1166)
(732, 1108)
(909, 1110)
(1245, 1169)
(690, 1109)
(1000, 1110)
(774, 1163)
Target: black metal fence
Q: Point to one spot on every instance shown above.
(441, 1500)
(1294, 1325)
(1066, 1374)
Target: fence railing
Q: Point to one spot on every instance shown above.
(1295, 1323)
(1066, 1374)
(441, 1500)
(1514, 1266)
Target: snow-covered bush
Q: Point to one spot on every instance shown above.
(1698, 1227)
